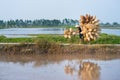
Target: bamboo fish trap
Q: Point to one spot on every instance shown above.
(68, 33)
(90, 27)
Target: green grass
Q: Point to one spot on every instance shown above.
(107, 39)
(103, 39)
(15, 40)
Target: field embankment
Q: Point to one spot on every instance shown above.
(46, 47)
(57, 44)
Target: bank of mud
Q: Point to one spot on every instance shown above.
(54, 48)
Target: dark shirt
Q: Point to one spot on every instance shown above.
(79, 30)
(80, 35)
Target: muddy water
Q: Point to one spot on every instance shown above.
(62, 67)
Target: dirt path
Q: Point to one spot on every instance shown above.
(66, 44)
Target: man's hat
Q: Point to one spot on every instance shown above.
(77, 26)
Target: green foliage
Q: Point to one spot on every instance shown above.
(107, 39)
(37, 23)
(2, 38)
(20, 23)
(103, 39)
(15, 40)
(114, 25)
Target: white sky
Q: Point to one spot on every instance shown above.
(105, 10)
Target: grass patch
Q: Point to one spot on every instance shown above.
(3, 39)
(103, 39)
(107, 39)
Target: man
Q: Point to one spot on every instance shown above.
(80, 34)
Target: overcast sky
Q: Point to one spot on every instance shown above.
(105, 10)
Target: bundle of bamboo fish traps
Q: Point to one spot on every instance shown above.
(68, 33)
(90, 27)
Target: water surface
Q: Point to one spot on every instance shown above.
(58, 68)
(111, 31)
(24, 32)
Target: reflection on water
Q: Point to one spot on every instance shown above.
(86, 70)
(58, 67)
(89, 69)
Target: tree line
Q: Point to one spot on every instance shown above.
(37, 23)
(114, 24)
(19, 23)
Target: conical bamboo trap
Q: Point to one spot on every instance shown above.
(68, 33)
(90, 27)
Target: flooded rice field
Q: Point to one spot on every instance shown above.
(25, 32)
(60, 67)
